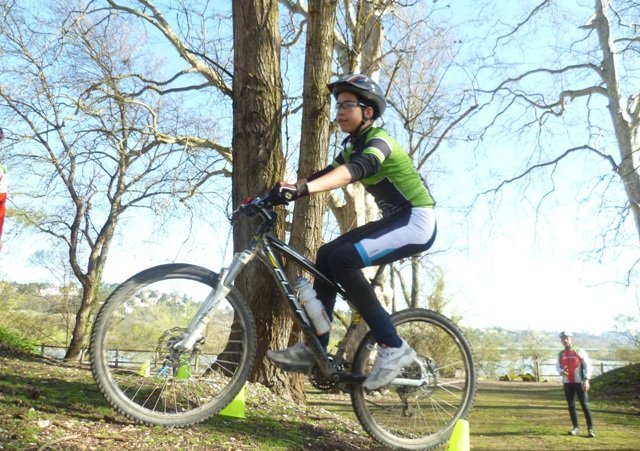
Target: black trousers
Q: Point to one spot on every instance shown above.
(341, 260)
(571, 390)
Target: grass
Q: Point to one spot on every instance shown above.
(621, 385)
(525, 416)
(47, 404)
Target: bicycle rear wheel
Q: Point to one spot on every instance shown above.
(133, 361)
(438, 389)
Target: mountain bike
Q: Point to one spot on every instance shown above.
(175, 344)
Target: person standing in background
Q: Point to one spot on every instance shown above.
(3, 192)
(575, 367)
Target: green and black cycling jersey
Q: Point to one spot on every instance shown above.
(376, 160)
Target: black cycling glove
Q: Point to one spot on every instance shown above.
(283, 193)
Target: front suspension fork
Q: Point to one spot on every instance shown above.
(222, 289)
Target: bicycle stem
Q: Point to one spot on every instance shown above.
(225, 282)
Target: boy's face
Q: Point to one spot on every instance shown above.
(566, 341)
(349, 112)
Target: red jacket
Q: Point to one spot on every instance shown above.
(574, 365)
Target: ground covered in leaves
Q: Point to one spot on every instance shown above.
(48, 404)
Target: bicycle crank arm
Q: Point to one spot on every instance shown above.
(352, 378)
(408, 382)
(349, 378)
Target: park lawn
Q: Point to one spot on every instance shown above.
(529, 416)
(47, 404)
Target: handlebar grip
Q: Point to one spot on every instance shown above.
(251, 205)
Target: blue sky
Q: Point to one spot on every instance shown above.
(521, 260)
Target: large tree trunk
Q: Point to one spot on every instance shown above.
(257, 160)
(82, 323)
(306, 232)
(626, 121)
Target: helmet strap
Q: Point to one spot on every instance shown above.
(365, 121)
(364, 125)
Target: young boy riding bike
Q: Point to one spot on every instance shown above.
(407, 227)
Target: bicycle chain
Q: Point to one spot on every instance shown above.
(320, 381)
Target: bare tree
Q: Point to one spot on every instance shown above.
(417, 66)
(314, 144)
(628, 327)
(533, 352)
(248, 84)
(257, 107)
(564, 90)
(91, 140)
(414, 58)
(309, 212)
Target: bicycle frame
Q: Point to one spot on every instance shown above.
(202, 361)
(270, 249)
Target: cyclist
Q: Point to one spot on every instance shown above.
(575, 367)
(3, 193)
(407, 227)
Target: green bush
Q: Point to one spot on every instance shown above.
(12, 341)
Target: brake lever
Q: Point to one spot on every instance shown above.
(235, 213)
(249, 207)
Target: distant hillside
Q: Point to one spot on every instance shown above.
(602, 346)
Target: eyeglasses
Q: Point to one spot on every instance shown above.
(348, 105)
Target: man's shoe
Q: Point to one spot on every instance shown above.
(574, 431)
(388, 364)
(298, 358)
(592, 433)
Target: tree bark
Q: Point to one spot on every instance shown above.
(306, 231)
(74, 351)
(626, 121)
(258, 161)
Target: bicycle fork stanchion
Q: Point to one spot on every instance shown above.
(225, 281)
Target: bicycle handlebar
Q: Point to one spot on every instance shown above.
(259, 205)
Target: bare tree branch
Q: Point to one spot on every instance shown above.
(554, 162)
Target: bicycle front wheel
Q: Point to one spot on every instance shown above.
(132, 356)
(420, 407)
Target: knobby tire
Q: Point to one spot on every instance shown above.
(135, 366)
(418, 417)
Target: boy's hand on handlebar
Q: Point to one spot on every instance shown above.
(283, 193)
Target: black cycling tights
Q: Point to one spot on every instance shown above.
(571, 390)
(340, 260)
